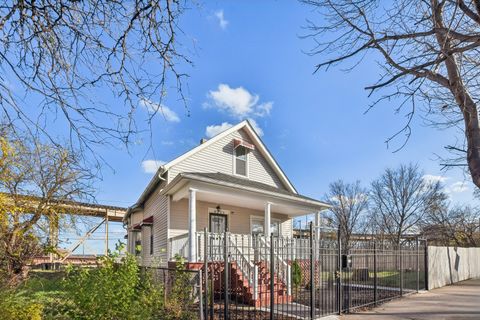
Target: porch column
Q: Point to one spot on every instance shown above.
(192, 224)
(266, 227)
(317, 225)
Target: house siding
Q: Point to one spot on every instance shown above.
(156, 206)
(238, 221)
(218, 157)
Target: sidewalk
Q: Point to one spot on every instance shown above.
(459, 301)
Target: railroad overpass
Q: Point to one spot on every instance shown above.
(107, 213)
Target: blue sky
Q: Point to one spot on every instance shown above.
(250, 62)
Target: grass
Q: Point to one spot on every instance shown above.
(42, 294)
(42, 284)
(390, 278)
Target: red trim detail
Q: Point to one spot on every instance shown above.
(147, 221)
(239, 142)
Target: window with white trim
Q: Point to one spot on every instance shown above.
(257, 225)
(241, 160)
(138, 243)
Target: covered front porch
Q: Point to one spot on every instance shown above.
(217, 203)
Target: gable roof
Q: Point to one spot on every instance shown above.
(245, 124)
(256, 141)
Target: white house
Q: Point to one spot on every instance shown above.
(228, 183)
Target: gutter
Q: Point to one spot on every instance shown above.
(151, 185)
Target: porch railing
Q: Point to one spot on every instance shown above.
(246, 251)
(244, 263)
(283, 267)
(178, 245)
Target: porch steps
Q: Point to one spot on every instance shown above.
(240, 289)
(244, 291)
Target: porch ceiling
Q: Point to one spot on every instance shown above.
(229, 194)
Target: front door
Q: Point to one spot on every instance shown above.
(218, 223)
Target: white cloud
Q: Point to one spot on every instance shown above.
(264, 109)
(238, 102)
(213, 130)
(161, 109)
(256, 127)
(151, 166)
(457, 187)
(221, 19)
(434, 179)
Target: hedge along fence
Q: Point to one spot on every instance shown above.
(448, 265)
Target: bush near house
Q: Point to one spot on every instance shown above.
(296, 274)
(116, 289)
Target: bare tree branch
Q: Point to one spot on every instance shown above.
(56, 56)
(428, 52)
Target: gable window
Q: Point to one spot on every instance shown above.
(241, 161)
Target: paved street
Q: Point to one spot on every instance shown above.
(459, 301)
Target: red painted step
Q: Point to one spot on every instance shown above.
(241, 290)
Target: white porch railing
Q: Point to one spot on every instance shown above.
(244, 263)
(282, 268)
(178, 246)
(245, 251)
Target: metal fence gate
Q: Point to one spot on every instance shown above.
(246, 277)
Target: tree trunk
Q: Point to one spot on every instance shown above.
(472, 133)
(462, 97)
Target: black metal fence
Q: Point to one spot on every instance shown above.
(306, 278)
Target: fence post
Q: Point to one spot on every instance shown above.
(426, 264)
(255, 282)
(375, 277)
(201, 309)
(401, 269)
(272, 283)
(205, 271)
(339, 272)
(226, 274)
(312, 274)
(417, 261)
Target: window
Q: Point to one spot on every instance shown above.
(151, 241)
(138, 243)
(257, 224)
(241, 161)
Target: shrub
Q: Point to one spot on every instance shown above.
(180, 295)
(296, 274)
(114, 290)
(15, 306)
